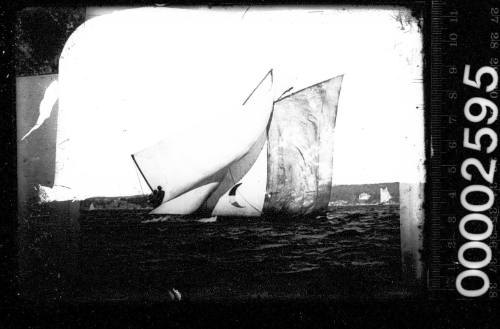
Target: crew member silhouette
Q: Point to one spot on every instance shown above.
(157, 197)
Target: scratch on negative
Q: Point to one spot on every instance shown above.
(301, 154)
(243, 16)
(64, 141)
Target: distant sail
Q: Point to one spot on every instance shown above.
(364, 197)
(385, 196)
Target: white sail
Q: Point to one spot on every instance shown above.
(246, 198)
(385, 196)
(364, 197)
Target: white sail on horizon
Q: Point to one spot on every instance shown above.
(385, 196)
(364, 196)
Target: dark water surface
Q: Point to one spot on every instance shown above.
(349, 252)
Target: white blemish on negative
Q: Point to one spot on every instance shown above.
(46, 105)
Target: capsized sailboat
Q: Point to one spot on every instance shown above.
(278, 159)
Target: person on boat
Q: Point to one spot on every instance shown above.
(157, 197)
(160, 196)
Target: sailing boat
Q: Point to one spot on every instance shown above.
(364, 197)
(278, 160)
(385, 196)
(191, 168)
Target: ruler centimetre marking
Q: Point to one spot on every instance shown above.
(436, 140)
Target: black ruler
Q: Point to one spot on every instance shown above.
(463, 168)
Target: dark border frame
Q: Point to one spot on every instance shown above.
(416, 311)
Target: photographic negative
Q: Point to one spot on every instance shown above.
(220, 153)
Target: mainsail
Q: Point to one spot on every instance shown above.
(300, 152)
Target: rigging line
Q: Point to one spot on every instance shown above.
(139, 178)
(251, 205)
(281, 96)
(258, 85)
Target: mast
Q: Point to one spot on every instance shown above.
(142, 174)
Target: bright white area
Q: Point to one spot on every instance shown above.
(133, 77)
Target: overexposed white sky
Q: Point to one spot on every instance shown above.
(135, 75)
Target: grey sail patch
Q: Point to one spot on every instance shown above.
(300, 150)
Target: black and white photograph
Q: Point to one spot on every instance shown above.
(249, 165)
(222, 153)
